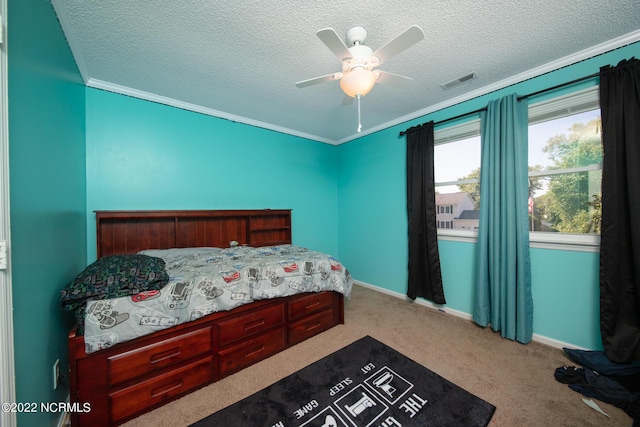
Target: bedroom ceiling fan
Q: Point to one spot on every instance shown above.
(358, 75)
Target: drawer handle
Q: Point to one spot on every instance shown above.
(310, 326)
(169, 354)
(254, 324)
(166, 388)
(254, 351)
(313, 304)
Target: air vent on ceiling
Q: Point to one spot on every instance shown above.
(455, 82)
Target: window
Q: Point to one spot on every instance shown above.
(565, 160)
(565, 170)
(457, 178)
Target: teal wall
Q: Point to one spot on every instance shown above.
(47, 197)
(373, 223)
(143, 155)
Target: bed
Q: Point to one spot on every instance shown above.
(133, 352)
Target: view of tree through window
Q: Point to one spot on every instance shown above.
(565, 172)
(565, 163)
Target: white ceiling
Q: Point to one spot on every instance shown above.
(240, 59)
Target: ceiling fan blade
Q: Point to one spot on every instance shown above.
(321, 79)
(333, 41)
(391, 79)
(404, 41)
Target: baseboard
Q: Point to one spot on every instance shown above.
(555, 343)
(418, 301)
(536, 337)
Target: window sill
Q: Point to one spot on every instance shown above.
(538, 240)
(565, 242)
(458, 235)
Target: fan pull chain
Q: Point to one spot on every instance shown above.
(359, 121)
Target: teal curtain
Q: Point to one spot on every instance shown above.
(503, 292)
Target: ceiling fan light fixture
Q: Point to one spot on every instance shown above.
(358, 81)
(358, 60)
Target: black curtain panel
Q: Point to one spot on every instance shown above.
(425, 279)
(620, 230)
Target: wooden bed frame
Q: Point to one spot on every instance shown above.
(134, 377)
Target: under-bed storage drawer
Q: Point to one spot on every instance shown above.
(310, 326)
(135, 363)
(138, 397)
(243, 326)
(248, 352)
(310, 303)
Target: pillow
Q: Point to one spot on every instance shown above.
(115, 276)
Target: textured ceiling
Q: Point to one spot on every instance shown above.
(240, 59)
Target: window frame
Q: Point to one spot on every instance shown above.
(548, 109)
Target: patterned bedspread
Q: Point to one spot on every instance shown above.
(207, 280)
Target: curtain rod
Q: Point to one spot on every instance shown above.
(520, 98)
(549, 89)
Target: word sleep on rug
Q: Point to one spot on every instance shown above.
(364, 384)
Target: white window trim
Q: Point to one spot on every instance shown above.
(7, 367)
(537, 239)
(564, 105)
(456, 132)
(561, 106)
(565, 241)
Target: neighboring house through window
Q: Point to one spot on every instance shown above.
(456, 211)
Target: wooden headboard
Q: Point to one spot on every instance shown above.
(127, 232)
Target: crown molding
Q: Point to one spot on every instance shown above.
(147, 96)
(582, 55)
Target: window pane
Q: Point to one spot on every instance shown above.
(568, 142)
(457, 204)
(457, 160)
(566, 202)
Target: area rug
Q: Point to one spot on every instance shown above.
(365, 383)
